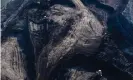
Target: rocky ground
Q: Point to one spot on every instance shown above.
(67, 40)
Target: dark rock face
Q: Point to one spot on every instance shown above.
(128, 11)
(9, 8)
(128, 15)
(88, 65)
(67, 40)
(121, 25)
(115, 56)
(118, 5)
